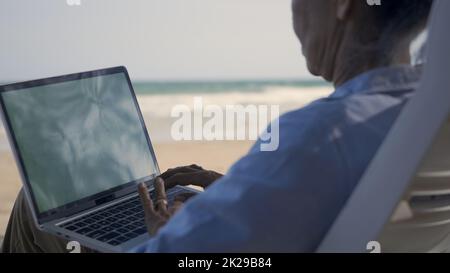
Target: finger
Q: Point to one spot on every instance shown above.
(176, 206)
(183, 169)
(161, 197)
(183, 197)
(199, 178)
(182, 179)
(171, 172)
(146, 201)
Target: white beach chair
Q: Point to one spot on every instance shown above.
(402, 203)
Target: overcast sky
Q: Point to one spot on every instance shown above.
(155, 39)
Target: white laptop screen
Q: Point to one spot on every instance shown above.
(78, 138)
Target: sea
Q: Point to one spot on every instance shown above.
(158, 98)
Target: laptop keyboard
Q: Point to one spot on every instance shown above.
(118, 223)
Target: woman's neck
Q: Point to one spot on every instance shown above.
(353, 59)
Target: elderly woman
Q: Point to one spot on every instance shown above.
(286, 200)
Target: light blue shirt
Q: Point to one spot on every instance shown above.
(286, 200)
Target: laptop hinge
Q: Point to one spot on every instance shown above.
(105, 199)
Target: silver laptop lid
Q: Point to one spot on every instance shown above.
(79, 140)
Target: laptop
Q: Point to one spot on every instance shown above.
(81, 147)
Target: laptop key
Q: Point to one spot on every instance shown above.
(122, 230)
(107, 228)
(122, 239)
(97, 217)
(71, 228)
(140, 215)
(138, 224)
(81, 224)
(95, 234)
(141, 230)
(132, 218)
(95, 226)
(129, 227)
(131, 235)
(111, 219)
(129, 212)
(121, 207)
(103, 223)
(108, 236)
(116, 225)
(84, 230)
(89, 221)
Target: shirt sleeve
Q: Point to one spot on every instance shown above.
(280, 201)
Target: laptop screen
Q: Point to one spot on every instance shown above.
(78, 138)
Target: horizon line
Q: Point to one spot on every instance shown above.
(205, 80)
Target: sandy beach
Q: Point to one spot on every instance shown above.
(218, 155)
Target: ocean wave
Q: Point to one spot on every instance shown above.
(156, 108)
(288, 98)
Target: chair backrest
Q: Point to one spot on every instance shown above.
(422, 221)
(408, 181)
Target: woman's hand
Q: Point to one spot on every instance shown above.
(189, 175)
(157, 213)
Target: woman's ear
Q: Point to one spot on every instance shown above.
(343, 8)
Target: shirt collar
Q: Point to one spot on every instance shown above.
(381, 80)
